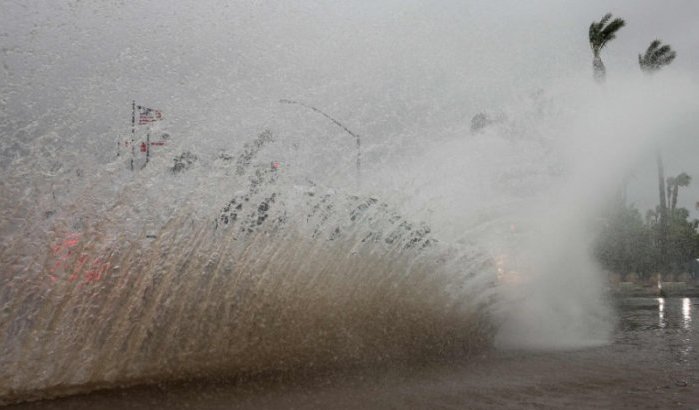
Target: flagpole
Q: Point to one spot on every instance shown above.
(133, 130)
(147, 146)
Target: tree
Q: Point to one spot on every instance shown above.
(683, 240)
(656, 57)
(669, 186)
(600, 34)
(651, 217)
(625, 242)
(673, 184)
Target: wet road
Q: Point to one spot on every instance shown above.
(652, 363)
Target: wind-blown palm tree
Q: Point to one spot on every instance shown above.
(656, 57)
(681, 180)
(669, 185)
(600, 34)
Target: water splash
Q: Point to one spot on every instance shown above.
(243, 250)
(143, 286)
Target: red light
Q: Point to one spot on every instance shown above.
(73, 268)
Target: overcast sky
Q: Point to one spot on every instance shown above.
(220, 64)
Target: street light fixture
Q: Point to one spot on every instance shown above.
(336, 122)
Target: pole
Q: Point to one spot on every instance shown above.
(133, 130)
(147, 147)
(339, 124)
(359, 155)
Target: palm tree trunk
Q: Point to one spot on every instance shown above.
(662, 233)
(673, 204)
(599, 70)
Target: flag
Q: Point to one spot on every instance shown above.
(148, 115)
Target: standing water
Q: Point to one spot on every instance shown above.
(651, 362)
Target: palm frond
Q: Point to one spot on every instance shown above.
(592, 34)
(656, 57)
(653, 46)
(667, 58)
(661, 51)
(613, 27)
(600, 33)
(683, 179)
(609, 33)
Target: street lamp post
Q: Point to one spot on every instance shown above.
(339, 124)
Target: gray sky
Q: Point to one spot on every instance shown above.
(391, 68)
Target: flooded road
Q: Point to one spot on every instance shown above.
(652, 363)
